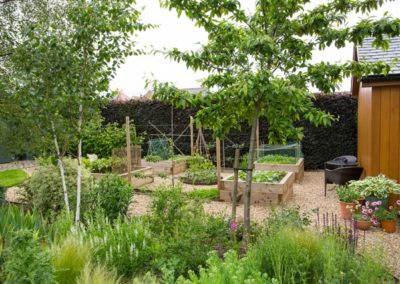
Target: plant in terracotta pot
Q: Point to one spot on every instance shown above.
(347, 201)
(375, 188)
(388, 218)
(394, 198)
(361, 221)
(363, 217)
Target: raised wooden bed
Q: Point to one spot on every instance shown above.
(261, 192)
(140, 176)
(297, 169)
(167, 166)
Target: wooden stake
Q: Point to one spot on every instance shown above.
(218, 148)
(192, 152)
(235, 183)
(128, 149)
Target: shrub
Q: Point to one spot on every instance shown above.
(112, 194)
(293, 255)
(43, 189)
(230, 270)
(25, 261)
(69, 259)
(101, 139)
(126, 244)
(102, 165)
(185, 233)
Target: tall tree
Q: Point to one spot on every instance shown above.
(260, 63)
(61, 67)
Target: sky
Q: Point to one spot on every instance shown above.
(180, 32)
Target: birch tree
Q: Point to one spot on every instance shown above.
(260, 63)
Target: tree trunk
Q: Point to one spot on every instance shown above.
(79, 170)
(61, 167)
(235, 184)
(250, 166)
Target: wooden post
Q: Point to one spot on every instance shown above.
(128, 149)
(235, 183)
(257, 137)
(218, 148)
(192, 152)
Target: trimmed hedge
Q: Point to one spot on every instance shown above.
(319, 144)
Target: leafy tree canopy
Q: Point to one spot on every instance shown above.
(260, 62)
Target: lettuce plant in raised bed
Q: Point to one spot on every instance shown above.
(277, 159)
(263, 176)
(200, 171)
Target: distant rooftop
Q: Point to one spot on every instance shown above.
(371, 54)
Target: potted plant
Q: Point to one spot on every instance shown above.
(362, 221)
(347, 200)
(394, 199)
(376, 188)
(364, 218)
(388, 218)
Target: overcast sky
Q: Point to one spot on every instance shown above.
(181, 33)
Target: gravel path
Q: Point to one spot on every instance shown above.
(308, 195)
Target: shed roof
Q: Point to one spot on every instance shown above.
(371, 54)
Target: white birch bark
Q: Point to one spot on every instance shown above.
(61, 167)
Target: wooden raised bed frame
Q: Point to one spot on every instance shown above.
(168, 167)
(137, 182)
(297, 169)
(261, 192)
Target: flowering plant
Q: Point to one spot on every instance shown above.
(383, 214)
(365, 212)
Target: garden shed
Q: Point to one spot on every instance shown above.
(379, 112)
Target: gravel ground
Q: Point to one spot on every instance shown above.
(308, 195)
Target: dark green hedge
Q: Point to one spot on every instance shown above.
(318, 145)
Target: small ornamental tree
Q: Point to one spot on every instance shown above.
(61, 65)
(260, 63)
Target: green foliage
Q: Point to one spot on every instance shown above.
(69, 259)
(277, 159)
(378, 186)
(263, 176)
(126, 244)
(2, 194)
(348, 194)
(14, 218)
(201, 176)
(100, 139)
(230, 270)
(204, 194)
(200, 171)
(293, 255)
(288, 217)
(382, 214)
(102, 165)
(152, 158)
(43, 190)
(186, 234)
(25, 261)
(112, 194)
(98, 275)
(11, 178)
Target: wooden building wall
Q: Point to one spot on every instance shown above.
(379, 129)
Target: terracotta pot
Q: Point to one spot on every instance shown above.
(345, 209)
(362, 225)
(389, 226)
(392, 199)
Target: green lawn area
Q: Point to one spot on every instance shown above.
(10, 178)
